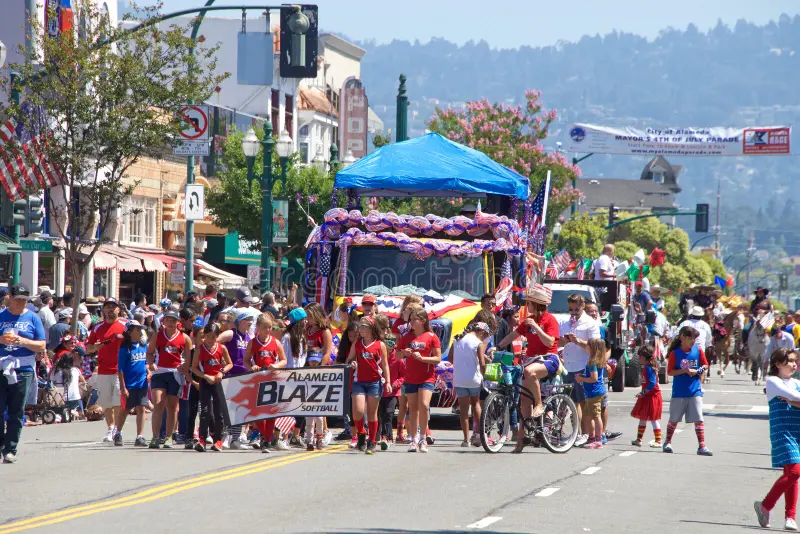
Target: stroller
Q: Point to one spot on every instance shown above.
(51, 406)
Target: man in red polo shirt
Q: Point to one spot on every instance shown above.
(105, 340)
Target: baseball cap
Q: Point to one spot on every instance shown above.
(368, 299)
(639, 284)
(111, 300)
(130, 325)
(79, 350)
(83, 310)
(165, 303)
(45, 295)
(171, 314)
(198, 322)
(20, 291)
(245, 295)
(212, 303)
(295, 316)
(68, 337)
(64, 313)
(244, 314)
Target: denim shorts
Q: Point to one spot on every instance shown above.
(577, 393)
(370, 389)
(165, 381)
(411, 389)
(468, 392)
(75, 405)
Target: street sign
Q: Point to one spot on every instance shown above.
(195, 123)
(193, 139)
(176, 272)
(253, 275)
(36, 244)
(190, 148)
(194, 202)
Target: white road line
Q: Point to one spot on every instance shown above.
(547, 492)
(755, 391)
(628, 453)
(591, 470)
(760, 409)
(677, 430)
(485, 522)
(84, 444)
(709, 406)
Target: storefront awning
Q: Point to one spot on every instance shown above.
(130, 261)
(228, 279)
(169, 260)
(104, 261)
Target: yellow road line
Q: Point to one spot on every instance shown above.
(159, 492)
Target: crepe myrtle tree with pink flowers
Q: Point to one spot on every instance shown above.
(512, 136)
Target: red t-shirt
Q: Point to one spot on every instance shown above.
(399, 327)
(265, 354)
(169, 350)
(368, 359)
(547, 323)
(108, 354)
(211, 361)
(416, 371)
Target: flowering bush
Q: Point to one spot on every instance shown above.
(512, 135)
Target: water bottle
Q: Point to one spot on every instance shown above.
(507, 375)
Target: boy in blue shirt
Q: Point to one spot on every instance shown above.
(134, 378)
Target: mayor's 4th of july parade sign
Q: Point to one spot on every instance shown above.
(309, 391)
(713, 141)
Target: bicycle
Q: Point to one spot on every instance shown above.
(557, 428)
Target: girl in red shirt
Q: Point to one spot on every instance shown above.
(369, 357)
(264, 352)
(399, 329)
(422, 351)
(211, 363)
(320, 349)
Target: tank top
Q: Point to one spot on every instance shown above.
(266, 353)
(315, 342)
(211, 362)
(237, 347)
(169, 351)
(368, 359)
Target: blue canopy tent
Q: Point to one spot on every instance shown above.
(430, 166)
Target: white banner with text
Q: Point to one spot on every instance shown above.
(656, 141)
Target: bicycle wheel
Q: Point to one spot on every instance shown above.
(559, 423)
(494, 422)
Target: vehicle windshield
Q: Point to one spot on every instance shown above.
(560, 296)
(390, 271)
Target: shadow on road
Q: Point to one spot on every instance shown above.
(723, 415)
(398, 531)
(749, 527)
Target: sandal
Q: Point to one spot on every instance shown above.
(538, 411)
(518, 448)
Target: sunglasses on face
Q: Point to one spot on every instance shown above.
(574, 310)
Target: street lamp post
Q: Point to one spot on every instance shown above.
(284, 149)
(334, 158)
(267, 144)
(250, 149)
(348, 159)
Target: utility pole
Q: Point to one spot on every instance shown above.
(402, 111)
(717, 228)
(750, 250)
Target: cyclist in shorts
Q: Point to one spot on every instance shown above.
(541, 330)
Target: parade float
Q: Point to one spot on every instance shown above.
(451, 262)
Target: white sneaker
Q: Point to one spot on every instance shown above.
(109, 437)
(282, 445)
(790, 524)
(236, 445)
(226, 443)
(581, 440)
(209, 441)
(243, 438)
(327, 437)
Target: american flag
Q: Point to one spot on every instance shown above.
(562, 260)
(323, 272)
(23, 167)
(767, 321)
(551, 272)
(581, 270)
(539, 212)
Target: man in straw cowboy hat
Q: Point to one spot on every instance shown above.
(541, 330)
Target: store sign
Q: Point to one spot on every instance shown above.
(177, 271)
(712, 141)
(36, 245)
(253, 275)
(354, 114)
(280, 222)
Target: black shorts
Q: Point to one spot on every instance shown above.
(136, 397)
(165, 381)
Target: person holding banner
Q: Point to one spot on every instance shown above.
(422, 351)
(294, 346)
(320, 348)
(236, 341)
(265, 353)
(369, 358)
(211, 364)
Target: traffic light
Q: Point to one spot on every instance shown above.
(299, 41)
(783, 281)
(701, 221)
(34, 217)
(12, 213)
(612, 214)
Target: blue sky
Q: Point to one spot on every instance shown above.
(521, 22)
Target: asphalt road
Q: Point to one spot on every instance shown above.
(66, 480)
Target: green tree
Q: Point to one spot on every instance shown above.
(307, 188)
(380, 139)
(625, 250)
(512, 136)
(105, 107)
(583, 236)
(646, 233)
(676, 245)
(674, 277)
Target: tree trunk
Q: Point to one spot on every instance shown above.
(78, 273)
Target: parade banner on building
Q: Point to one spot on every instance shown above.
(306, 392)
(713, 141)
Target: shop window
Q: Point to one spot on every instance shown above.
(139, 221)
